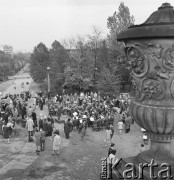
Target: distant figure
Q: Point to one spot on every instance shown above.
(82, 129)
(111, 155)
(108, 136)
(5, 130)
(29, 126)
(42, 139)
(22, 85)
(120, 127)
(50, 130)
(112, 131)
(67, 128)
(38, 143)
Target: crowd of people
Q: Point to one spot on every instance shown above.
(91, 110)
(83, 111)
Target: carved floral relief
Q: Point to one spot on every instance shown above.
(155, 49)
(152, 89)
(137, 62)
(168, 58)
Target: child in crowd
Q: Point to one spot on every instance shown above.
(56, 143)
(38, 141)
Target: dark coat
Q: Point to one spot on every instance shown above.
(67, 127)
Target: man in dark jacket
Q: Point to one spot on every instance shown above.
(34, 117)
(67, 128)
(23, 111)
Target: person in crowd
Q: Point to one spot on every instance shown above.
(34, 117)
(56, 143)
(38, 140)
(82, 129)
(41, 123)
(5, 118)
(23, 111)
(10, 118)
(127, 123)
(15, 113)
(1, 124)
(112, 131)
(67, 128)
(29, 126)
(75, 123)
(111, 154)
(49, 130)
(108, 136)
(41, 103)
(10, 126)
(5, 130)
(34, 102)
(51, 120)
(29, 111)
(59, 111)
(45, 125)
(42, 139)
(120, 127)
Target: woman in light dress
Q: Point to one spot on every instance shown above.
(56, 143)
(108, 136)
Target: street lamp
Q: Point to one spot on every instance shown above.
(48, 80)
(95, 69)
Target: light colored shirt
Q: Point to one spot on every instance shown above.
(120, 125)
(9, 124)
(91, 118)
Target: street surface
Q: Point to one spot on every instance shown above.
(78, 160)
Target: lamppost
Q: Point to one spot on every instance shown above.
(48, 80)
(95, 69)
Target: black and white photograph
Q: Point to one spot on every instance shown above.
(86, 89)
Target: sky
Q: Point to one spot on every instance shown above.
(26, 23)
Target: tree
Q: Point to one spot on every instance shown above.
(94, 42)
(108, 83)
(116, 23)
(59, 60)
(39, 62)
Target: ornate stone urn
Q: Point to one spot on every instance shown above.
(150, 51)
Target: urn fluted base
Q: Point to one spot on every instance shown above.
(160, 152)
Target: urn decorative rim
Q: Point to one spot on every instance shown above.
(160, 24)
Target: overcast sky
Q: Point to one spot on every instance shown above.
(25, 23)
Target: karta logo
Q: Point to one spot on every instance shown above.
(132, 171)
(162, 171)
